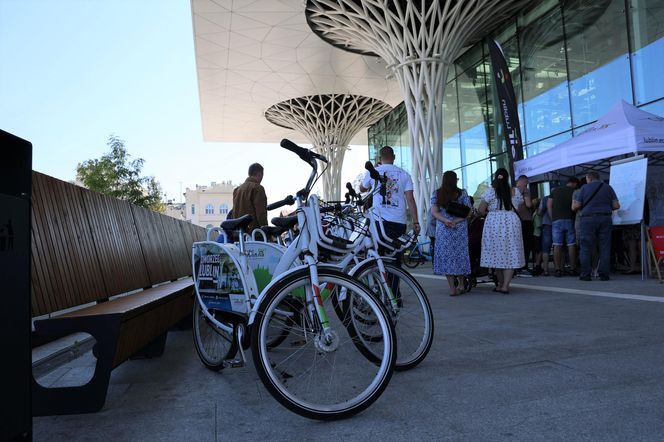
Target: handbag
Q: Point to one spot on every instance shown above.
(457, 210)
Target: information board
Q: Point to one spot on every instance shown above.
(628, 179)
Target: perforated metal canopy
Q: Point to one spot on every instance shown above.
(252, 54)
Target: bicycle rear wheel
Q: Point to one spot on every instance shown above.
(412, 257)
(213, 344)
(313, 376)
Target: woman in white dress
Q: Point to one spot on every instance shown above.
(502, 242)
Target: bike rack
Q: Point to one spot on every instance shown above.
(220, 232)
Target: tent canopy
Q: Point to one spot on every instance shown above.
(624, 129)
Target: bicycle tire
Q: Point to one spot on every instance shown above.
(292, 373)
(213, 344)
(412, 257)
(414, 326)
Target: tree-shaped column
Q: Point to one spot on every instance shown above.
(419, 40)
(330, 122)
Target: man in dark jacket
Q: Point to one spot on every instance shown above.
(249, 198)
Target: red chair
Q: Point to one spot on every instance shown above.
(657, 248)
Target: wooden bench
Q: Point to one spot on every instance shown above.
(88, 252)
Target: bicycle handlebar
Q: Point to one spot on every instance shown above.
(351, 191)
(308, 157)
(303, 153)
(376, 176)
(288, 201)
(372, 171)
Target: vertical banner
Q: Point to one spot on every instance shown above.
(506, 104)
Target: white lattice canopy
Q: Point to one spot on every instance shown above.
(251, 54)
(329, 122)
(419, 41)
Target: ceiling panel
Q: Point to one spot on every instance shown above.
(252, 54)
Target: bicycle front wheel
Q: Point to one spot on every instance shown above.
(316, 374)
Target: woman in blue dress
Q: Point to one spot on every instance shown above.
(451, 250)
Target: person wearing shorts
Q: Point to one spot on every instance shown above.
(559, 205)
(546, 235)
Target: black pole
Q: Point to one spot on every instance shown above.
(16, 380)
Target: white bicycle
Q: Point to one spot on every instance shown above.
(371, 261)
(308, 351)
(358, 245)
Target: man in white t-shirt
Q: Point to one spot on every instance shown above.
(393, 207)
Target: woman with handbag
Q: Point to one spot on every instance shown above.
(502, 241)
(451, 207)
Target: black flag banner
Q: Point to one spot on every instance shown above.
(507, 104)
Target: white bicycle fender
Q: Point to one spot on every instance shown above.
(254, 309)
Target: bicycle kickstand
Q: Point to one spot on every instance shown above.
(241, 359)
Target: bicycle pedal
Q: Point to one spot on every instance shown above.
(233, 363)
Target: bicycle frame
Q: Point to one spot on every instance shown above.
(426, 255)
(305, 245)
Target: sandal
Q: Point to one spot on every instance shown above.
(466, 285)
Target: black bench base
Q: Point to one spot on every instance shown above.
(119, 335)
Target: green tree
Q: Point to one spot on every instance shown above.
(114, 174)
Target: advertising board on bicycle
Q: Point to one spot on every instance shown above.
(218, 279)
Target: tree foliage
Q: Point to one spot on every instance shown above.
(116, 175)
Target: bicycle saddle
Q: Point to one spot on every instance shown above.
(273, 230)
(237, 223)
(286, 222)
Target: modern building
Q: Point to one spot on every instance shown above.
(209, 205)
(570, 62)
(175, 210)
(260, 58)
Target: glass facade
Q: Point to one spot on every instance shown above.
(570, 61)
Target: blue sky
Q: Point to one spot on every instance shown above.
(75, 71)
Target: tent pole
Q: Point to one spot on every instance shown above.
(645, 268)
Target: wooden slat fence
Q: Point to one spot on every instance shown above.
(87, 247)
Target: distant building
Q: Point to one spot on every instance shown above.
(208, 204)
(175, 210)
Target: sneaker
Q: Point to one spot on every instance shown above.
(558, 273)
(574, 272)
(585, 278)
(604, 277)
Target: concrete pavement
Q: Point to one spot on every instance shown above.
(557, 359)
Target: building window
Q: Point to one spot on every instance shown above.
(193, 209)
(223, 209)
(646, 19)
(209, 209)
(599, 70)
(544, 74)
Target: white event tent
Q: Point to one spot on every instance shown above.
(624, 129)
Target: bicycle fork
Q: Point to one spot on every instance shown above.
(386, 284)
(327, 340)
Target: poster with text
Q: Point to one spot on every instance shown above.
(628, 179)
